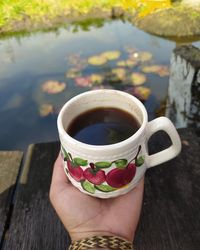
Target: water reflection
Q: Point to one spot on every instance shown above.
(28, 112)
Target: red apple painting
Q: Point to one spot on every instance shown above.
(94, 175)
(118, 178)
(75, 171)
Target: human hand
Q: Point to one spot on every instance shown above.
(85, 216)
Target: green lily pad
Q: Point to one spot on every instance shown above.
(53, 87)
(104, 188)
(111, 55)
(96, 78)
(103, 164)
(138, 78)
(46, 109)
(80, 162)
(121, 163)
(139, 161)
(72, 73)
(145, 56)
(87, 186)
(120, 73)
(97, 60)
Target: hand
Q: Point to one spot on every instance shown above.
(85, 216)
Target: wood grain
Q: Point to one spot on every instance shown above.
(34, 223)
(170, 217)
(10, 162)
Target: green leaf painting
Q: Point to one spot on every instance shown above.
(121, 163)
(80, 162)
(103, 164)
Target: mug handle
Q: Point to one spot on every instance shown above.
(163, 123)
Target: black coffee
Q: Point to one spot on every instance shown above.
(103, 126)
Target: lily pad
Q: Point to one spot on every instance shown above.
(111, 55)
(161, 70)
(83, 81)
(138, 78)
(104, 188)
(141, 93)
(53, 87)
(45, 110)
(145, 56)
(97, 60)
(96, 78)
(120, 73)
(87, 186)
(72, 73)
(127, 63)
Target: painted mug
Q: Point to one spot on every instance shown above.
(112, 170)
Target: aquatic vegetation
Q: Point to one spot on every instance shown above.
(46, 109)
(96, 78)
(138, 78)
(120, 73)
(127, 63)
(83, 81)
(111, 55)
(73, 72)
(161, 70)
(97, 60)
(53, 87)
(144, 56)
(142, 93)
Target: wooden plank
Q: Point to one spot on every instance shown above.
(35, 224)
(170, 215)
(10, 162)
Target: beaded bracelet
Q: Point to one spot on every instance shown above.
(110, 242)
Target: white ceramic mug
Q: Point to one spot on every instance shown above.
(112, 170)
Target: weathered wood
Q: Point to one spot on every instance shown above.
(35, 224)
(183, 106)
(10, 162)
(170, 217)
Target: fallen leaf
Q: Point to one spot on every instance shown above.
(97, 60)
(111, 55)
(138, 78)
(83, 81)
(96, 78)
(45, 110)
(53, 87)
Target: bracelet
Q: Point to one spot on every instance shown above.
(110, 242)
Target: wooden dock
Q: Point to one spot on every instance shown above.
(170, 217)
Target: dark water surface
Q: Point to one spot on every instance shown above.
(27, 62)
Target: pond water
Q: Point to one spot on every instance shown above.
(41, 71)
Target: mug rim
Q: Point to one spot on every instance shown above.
(113, 146)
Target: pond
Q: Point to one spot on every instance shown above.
(39, 72)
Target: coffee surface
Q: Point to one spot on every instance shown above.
(103, 126)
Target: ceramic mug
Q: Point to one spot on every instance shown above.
(117, 168)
